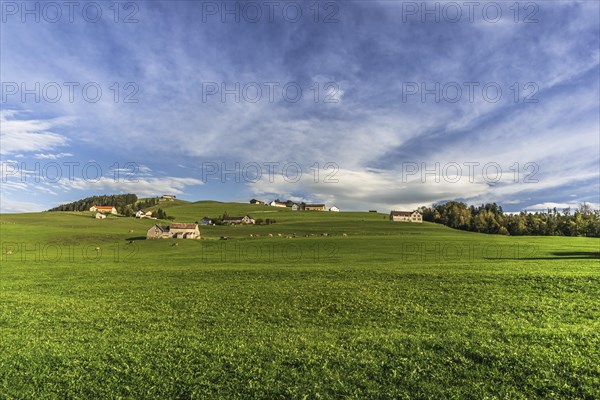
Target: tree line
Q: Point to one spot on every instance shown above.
(119, 201)
(490, 218)
(125, 204)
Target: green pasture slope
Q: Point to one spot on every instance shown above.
(391, 310)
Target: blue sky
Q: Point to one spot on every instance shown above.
(397, 109)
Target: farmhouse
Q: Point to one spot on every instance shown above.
(184, 231)
(315, 207)
(142, 214)
(406, 216)
(158, 232)
(104, 209)
(245, 220)
(175, 231)
(277, 204)
(334, 209)
(295, 207)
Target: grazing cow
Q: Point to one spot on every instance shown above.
(224, 238)
(251, 235)
(175, 244)
(131, 230)
(345, 235)
(279, 234)
(270, 235)
(131, 242)
(8, 252)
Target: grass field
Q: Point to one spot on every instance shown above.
(392, 310)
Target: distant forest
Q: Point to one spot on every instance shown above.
(119, 201)
(490, 218)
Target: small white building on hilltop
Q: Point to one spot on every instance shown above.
(334, 209)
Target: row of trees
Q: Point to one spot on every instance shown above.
(119, 201)
(490, 218)
(126, 204)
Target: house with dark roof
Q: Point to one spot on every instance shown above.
(206, 221)
(406, 216)
(158, 232)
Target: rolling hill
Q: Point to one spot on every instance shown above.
(374, 309)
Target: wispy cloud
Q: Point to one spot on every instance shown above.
(29, 135)
(369, 128)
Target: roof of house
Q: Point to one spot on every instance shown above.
(161, 228)
(104, 207)
(315, 205)
(402, 213)
(183, 226)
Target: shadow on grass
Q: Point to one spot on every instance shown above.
(576, 254)
(136, 238)
(561, 255)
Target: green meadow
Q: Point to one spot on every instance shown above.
(375, 309)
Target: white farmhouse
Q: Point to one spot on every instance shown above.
(406, 216)
(277, 204)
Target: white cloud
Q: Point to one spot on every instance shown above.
(30, 135)
(8, 206)
(368, 189)
(559, 206)
(50, 156)
(140, 186)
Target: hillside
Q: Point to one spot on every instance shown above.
(91, 309)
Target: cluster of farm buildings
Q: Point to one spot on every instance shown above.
(191, 230)
(296, 206)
